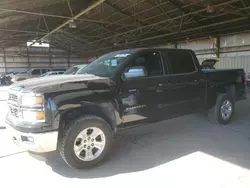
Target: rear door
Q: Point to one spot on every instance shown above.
(184, 81)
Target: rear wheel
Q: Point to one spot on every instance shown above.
(223, 110)
(86, 142)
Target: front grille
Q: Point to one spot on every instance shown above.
(12, 97)
(14, 112)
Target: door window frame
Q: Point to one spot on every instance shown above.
(138, 54)
(167, 64)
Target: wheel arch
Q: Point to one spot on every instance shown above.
(227, 88)
(106, 111)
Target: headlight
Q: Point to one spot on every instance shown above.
(32, 100)
(32, 116)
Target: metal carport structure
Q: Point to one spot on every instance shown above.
(90, 28)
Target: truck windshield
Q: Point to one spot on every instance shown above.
(106, 65)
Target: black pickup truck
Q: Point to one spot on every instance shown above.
(79, 114)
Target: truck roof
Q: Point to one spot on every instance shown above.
(133, 50)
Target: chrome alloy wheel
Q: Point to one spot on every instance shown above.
(89, 144)
(226, 109)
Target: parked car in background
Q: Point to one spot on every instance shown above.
(33, 73)
(75, 69)
(5, 78)
(52, 73)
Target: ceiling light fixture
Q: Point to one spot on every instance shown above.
(72, 24)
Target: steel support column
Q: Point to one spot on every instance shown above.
(218, 47)
(28, 58)
(4, 60)
(49, 58)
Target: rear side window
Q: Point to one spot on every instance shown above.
(180, 62)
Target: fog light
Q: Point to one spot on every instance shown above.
(27, 139)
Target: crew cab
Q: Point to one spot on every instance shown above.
(80, 114)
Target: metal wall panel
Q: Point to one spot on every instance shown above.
(39, 65)
(235, 62)
(196, 45)
(235, 40)
(59, 65)
(37, 58)
(234, 51)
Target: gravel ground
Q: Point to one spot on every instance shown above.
(183, 152)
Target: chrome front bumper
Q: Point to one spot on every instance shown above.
(37, 142)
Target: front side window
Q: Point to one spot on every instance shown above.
(150, 62)
(180, 62)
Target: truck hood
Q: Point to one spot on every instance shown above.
(61, 83)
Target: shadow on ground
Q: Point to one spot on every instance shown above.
(150, 146)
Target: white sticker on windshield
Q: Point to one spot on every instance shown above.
(122, 55)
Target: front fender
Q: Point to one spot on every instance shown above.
(107, 110)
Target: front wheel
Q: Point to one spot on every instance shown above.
(86, 143)
(223, 110)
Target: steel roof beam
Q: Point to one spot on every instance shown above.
(184, 31)
(64, 17)
(124, 12)
(69, 20)
(110, 16)
(244, 5)
(176, 5)
(157, 15)
(166, 20)
(21, 31)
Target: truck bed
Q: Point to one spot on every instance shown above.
(225, 75)
(221, 77)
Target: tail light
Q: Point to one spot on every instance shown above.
(245, 79)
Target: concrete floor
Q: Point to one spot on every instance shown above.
(182, 152)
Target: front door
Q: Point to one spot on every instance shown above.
(141, 95)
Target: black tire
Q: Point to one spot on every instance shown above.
(215, 114)
(66, 147)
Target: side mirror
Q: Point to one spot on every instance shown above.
(135, 72)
